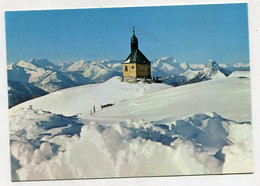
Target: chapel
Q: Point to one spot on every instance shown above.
(136, 65)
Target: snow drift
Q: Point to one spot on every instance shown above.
(151, 130)
(72, 147)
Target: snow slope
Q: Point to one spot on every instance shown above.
(228, 96)
(81, 99)
(200, 128)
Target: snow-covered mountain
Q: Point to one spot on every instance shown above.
(19, 92)
(175, 80)
(49, 77)
(168, 66)
(197, 66)
(150, 130)
(176, 74)
(63, 66)
(211, 71)
(43, 63)
(39, 73)
(235, 67)
(96, 71)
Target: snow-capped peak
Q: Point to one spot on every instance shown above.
(79, 65)
(212, 69)
(64, 65)
(168, 60)
(212, 64)
(185, 65)
(103, 61)
(167, 66)
(26, 65)
(43, 63)
(32, 60)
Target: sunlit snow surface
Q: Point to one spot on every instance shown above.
(151, 130)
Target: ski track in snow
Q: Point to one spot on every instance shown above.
(134, 138)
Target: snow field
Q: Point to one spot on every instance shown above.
(82, 99)
(202, 128)
(229, 97)
(128, 148)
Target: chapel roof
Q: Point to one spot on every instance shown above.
(136, 56)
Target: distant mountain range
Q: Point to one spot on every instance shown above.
(176, 74)
(37, 77)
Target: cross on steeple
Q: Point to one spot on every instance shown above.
(134, 30)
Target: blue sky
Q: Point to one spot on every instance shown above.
(193, 34)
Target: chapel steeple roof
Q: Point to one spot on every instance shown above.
(134, 41)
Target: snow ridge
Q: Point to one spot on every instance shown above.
(39, 150)
(168, 66)
(211, 71)
(49, 77)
